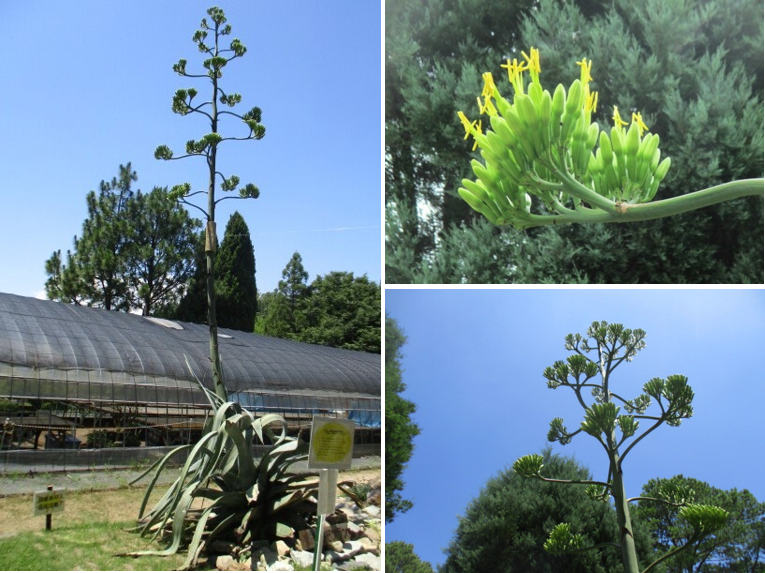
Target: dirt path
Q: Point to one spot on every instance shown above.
(22, 484)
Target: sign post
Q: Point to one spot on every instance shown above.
(48, 502)
(331, 449)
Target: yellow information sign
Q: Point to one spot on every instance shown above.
(47, 502)
(331, 443)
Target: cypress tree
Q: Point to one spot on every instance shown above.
(235, 283)
(283, 312)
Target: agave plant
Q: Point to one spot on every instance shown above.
(222, 492)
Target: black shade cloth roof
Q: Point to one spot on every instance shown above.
(52, 349)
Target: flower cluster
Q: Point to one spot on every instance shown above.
(544, 145)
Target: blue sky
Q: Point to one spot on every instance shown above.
(90, 88)
(473, 364)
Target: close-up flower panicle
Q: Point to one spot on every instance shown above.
(544, 146)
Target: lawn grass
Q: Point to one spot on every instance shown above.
(86, 535)
(82, 546)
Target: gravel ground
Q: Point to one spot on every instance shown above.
(20, 483)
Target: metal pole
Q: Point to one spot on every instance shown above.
(319, 543)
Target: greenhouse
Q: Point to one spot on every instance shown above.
(76, 380)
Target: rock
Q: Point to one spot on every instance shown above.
(336, 546)
(373, 561)
(369, 546)
(373, 534)
(228, 563)
(372, 510)
(353, 530)
(280, 548)
(302, 558)
(349, 550)
(335, 528)
(375, 493)
(281, 566)
(306, 539)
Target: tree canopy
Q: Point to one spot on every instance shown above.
(400, 430)
(135, 251)
(505, 526)
(235, 280)
(737, 548)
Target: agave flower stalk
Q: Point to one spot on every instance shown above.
(546, 147)
(618, 434)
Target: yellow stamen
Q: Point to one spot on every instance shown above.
(465, 123)
(618, 121)
(509, 67)
(470, 127)
(591, 102)
(488, 85)
(486, 107)
(586, 67)
(637, 118)
(532, 62)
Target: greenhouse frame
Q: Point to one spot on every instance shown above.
(85, 386)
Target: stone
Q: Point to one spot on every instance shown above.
(281, 548)
(224, 562)
(281, 566)
(372, 510)
(373, 561)
(336, 546)
(373, 534)
(302, 558)
(369, 546)
(348, 551)
(354, 531)
(306, 539)
(265, 556)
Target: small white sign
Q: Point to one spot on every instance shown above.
(49, 501)
(331, 445)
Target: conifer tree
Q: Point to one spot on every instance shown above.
(294, 289)
(235, 284)
(401, 558)
(400, 430)
(101, 255)
(136, 251)
(284, 314)
(161, 253)
(343, 311)
(505, 526)
(207, 148)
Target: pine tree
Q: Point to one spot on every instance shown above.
(235, 283)
(102, 255)
(136, 251)
(161, 255)
(294, 289)
(207, 147)
(401, 558)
